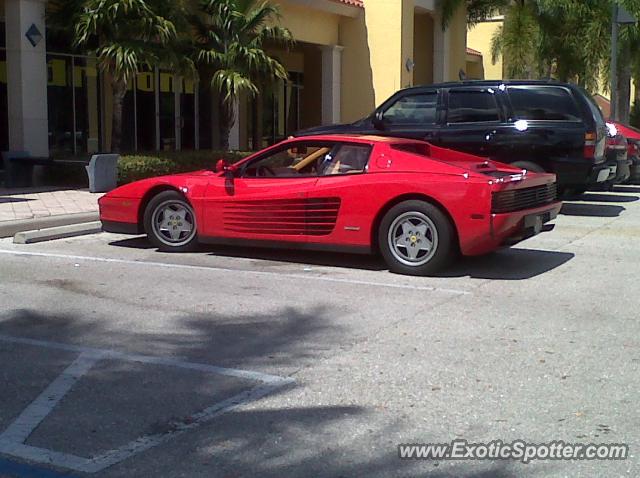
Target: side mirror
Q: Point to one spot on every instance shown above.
(378, 121)
(221, 165)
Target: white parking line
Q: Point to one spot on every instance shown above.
(38, 410)
(237, 271)
(12, 441)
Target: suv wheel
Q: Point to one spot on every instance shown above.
(416, 238)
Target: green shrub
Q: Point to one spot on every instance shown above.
(141, 166)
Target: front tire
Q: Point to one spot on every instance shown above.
(416, 238)
(170, 222)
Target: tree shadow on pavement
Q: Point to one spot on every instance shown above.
(315, 441)
(292, 432)
(281, 338)
(508, 264)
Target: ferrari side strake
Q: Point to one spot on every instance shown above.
(416, 204)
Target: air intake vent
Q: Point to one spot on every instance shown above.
(519, 199)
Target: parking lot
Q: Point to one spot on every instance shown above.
(118, 360)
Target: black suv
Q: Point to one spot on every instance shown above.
(536, 125)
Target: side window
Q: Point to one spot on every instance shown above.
(349, 158)
(295, 160)
(413, 109)
(547, 103)
(477, 106)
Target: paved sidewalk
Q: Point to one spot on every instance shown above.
(19, 204)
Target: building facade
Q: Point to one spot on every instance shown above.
(349, 56)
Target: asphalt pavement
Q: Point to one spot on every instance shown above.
(118, 360)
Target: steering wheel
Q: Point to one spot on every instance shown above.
(263, 170)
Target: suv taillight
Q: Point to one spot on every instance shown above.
(590, 141)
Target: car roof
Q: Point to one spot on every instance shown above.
(451, 84)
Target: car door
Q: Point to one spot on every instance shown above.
(267, 198)
(413, 115)
(475, 122)
(344, 180)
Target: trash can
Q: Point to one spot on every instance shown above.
(103, 172)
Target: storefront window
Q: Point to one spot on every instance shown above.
(188, 115)
(128, 135)
(281, 109)
(167, 116)
(146, 110)
(87, 102)
(60, 105)
(205, 109)
(4, 119)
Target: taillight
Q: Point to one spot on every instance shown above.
(590, 141)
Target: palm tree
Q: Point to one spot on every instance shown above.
(230, 37)
(518, 40)
(477, 10)
(124, 35)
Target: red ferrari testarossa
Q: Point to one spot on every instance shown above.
(416, 204)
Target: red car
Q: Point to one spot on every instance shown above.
(418, 205)
(633, 139)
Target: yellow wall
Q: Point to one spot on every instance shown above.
(475, 70)
(458, 48)
(479, 38)
(358, 96)
(423, 49)
(310, 26)
(387, 44)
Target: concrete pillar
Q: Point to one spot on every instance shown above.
(441, 50)
(27, 77)
(331, 84)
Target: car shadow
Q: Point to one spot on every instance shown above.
(594, 197)
(508, 264)
(591, 210)
(316, 258)
(623, 188)
(140, 242)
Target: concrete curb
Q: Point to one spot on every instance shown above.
(61, 232)
(11, 228)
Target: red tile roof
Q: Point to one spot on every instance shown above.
(471, 51)
(354, 3)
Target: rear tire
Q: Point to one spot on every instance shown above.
(170, 222)
(416, 238)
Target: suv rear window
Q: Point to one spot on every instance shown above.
(472, 107)
(546, 103)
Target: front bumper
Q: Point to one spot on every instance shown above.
(120, 215)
